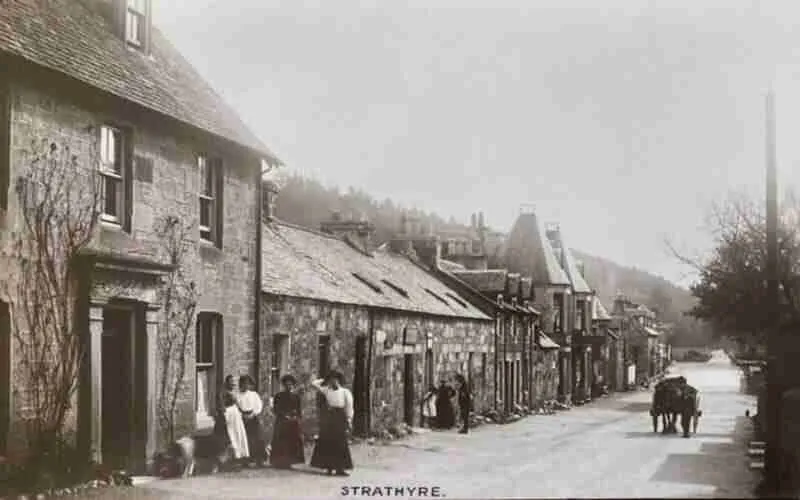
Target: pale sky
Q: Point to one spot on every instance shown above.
(621, 120)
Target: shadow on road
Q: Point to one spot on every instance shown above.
(722, 465)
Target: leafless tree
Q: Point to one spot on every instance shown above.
(732, 284)
(58, 191)
(179, 300)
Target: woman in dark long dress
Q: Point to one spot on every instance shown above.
(464, 402)
(332, 452)
(220, 426)
(445, 414)
(287, 439)
(251, 406)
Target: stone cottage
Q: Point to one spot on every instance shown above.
(636, 322)
(331, 300)
(529, 253)
(98, 77)
(604, 349)
(515, 336)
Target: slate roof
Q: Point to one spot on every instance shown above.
(546, 342)
(74, 38)
(303, 263)
(529, 253)
(569, 265)
(599, 312)
(490, 281)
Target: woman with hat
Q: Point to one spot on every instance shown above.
(287, 440)
(251, 406)
(331, 451)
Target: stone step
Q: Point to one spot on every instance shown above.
(757, 465)
(758, 444)
(753, 452)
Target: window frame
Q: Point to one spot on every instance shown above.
(117, 170)
(210, 192)
(279, 358)
(214, 368)
(580, 312)
(136, 35)
(323, 355)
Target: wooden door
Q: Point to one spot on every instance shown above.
(361, 389)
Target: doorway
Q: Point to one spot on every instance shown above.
(408, 389)
(118, 386)
(507, 390)
(429, 381)
(361, 389)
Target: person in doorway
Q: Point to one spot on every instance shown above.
(445, 414)
(429, 407)
(287, 439)
(332, 452)
(251, 406)
(464, 402)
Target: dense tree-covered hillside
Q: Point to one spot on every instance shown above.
(306, 202)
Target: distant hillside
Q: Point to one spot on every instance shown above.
(608, 278)
(306, 202)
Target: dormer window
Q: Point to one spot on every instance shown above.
(135, 22)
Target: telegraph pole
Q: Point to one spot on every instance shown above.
(774, 383)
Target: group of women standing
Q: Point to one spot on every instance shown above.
(239, 416)
(438, 409)
(237, 419)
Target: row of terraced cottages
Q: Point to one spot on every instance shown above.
(97, 78)
(394, 323)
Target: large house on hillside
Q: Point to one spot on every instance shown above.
(529, 253)
(578, 324)
(97, 76)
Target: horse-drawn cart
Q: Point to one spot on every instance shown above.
(672, 398)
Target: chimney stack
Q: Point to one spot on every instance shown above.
(481, 222)
(355, 231)
(417, 242)
(474, 221)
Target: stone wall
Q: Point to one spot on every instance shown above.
(165, 182)
(304, 321)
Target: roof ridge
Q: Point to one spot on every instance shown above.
(290, 225)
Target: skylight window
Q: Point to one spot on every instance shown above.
(395, 288)
(460, 302)
(375, 288)
(437, 297)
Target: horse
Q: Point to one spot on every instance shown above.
(666, 404)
